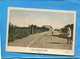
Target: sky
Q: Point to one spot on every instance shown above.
(24, 18)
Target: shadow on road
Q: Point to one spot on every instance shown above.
(54, 42)
(61, 36)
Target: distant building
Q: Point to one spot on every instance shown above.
(50, 28)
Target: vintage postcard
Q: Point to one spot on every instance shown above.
(41, 31)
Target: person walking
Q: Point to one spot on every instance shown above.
(51, 30)
(68, 35)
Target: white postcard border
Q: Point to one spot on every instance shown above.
(40, 50)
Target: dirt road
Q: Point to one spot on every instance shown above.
(43, 40)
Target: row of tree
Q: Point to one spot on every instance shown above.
(64, 29)
(16, 32)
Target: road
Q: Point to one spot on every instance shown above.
(43, 40)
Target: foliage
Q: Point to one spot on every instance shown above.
(16, 32)
(64, 29)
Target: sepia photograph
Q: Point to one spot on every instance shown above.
(42, 31)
